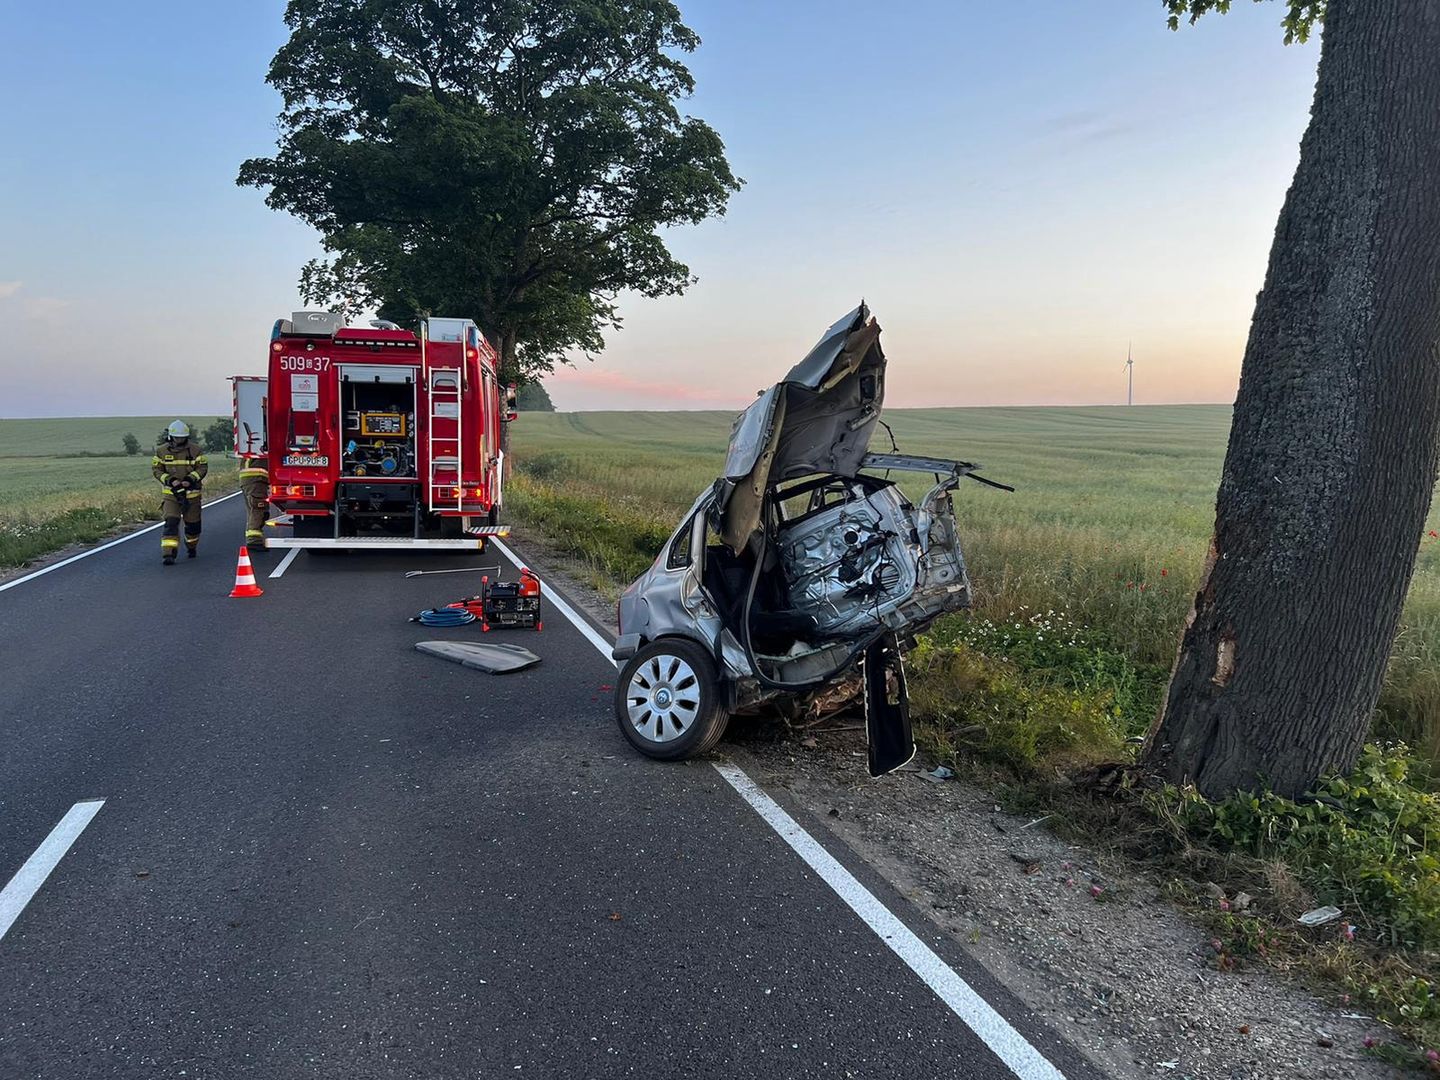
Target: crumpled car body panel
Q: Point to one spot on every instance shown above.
(799, 557)
(818, 419)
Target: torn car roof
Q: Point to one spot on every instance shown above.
(818, 419)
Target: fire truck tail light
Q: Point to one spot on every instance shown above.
(475, 493)
(277, 347)
(471, 354)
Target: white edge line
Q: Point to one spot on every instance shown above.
(997, 1033)
(552, 597)
(28, 879)
(978, 1014)
(279, 571)
(96, 550)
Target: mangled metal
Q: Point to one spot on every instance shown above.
(797, 567)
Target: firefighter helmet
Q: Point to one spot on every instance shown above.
(179, 430)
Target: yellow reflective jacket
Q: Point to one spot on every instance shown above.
(179, 461)
(254, 467)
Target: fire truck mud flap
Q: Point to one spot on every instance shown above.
(497, 659)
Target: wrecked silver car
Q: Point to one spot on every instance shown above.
(798, 567)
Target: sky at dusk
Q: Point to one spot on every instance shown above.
(1018, 189)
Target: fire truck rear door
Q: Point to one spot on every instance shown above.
(251, 394)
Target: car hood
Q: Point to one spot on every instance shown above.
(818, 419)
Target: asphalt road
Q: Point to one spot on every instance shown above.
(323, 854)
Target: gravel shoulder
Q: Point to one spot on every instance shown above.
(1123, 974)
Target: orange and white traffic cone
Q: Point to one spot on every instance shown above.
(245, 577)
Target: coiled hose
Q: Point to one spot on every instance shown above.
(444, 617)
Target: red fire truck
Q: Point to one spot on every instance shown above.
(378, 437)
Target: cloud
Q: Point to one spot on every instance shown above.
(43, 308)
(599, 379)
(9, 288)
(1073, 130)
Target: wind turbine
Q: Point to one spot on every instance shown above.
(1130, 369)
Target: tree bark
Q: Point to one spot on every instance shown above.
(1336, 433)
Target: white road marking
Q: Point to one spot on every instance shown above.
(96, 550)
(552, 597)
(279, 571)
(32, 875)
(979, 1015)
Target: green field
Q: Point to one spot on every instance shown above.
(1108, 525)
(52, 496)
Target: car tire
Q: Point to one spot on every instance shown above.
(668, 701)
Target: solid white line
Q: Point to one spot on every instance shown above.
(279, 571)
(32, 875)
(552, 597)
(979, 1015)
(102, 547)
(993, 1029)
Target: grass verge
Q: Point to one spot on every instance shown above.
(46, 523)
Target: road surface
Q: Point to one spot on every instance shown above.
(322, 854)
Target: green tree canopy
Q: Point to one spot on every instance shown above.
(220, 435)
(1301, 16)
(506, 161)
(531, 396)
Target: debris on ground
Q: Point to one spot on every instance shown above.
(1319, 916)
(498, 659)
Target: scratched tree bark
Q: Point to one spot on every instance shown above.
(1333, 448)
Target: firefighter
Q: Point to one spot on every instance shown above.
(180, 466)
(255, 483)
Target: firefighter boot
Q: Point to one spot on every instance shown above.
(170, 542)
(192, 527)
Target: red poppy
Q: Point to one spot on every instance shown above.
(1164, 572)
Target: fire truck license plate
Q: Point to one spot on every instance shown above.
(306, 459)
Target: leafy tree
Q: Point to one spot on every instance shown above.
(131, 443)
(531, 396)
(220, 435)
(1335, 442)
(1301, 16)
(511, 162)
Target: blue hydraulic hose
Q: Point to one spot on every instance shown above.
(445, 617)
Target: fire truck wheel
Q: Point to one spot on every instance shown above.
(668, 702)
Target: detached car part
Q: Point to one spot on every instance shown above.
(796, 567)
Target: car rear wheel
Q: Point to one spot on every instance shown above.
(668, 702)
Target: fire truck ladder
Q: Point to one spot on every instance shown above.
(447, 404)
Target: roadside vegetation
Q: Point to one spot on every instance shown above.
(1083, 578)
(73, 481)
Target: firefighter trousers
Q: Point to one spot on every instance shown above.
(173, 513)
(257, 508)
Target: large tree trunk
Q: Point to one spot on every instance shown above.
(1333, 449)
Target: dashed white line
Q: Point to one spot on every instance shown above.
(96, 550)
(32, 875)
(1011, 1047)
(279, 571)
